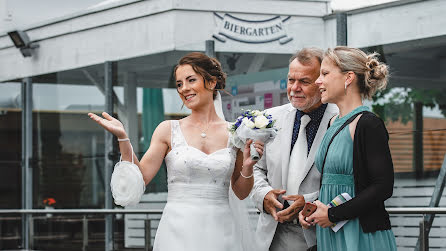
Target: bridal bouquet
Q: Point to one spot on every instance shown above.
(127, 184)
(255, 125)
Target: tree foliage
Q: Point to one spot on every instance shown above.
(397, 103)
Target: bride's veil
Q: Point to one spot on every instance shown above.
(239, 207)
(218, 106)
(245, 228)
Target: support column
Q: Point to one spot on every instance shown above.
(109, 73)
(341, 28)
(131, 110)
(27, 155)
(210, 48)
(418, 140)
(94, 171)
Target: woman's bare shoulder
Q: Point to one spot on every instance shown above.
(163, 131)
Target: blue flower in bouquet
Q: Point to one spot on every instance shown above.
(253, 119)
(255, 125)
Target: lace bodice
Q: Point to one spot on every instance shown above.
(188, 165)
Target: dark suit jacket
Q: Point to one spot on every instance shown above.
(373, 175)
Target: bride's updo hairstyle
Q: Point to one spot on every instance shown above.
(371, 74)
(207, 67)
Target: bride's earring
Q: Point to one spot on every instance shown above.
(345, 88)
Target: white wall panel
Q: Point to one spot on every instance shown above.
(138, 37)
(148, 27)
(398, 23)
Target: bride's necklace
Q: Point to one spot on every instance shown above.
(203, 132)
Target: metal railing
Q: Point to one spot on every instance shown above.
(84, 213)
(423, 237)
(424, 225)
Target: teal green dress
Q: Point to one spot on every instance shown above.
(338, 178)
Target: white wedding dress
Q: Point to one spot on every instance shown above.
(198, 215)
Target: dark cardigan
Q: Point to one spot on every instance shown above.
(373, 175)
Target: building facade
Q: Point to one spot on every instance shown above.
(119, 58)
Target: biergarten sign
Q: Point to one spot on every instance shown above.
(251, 31)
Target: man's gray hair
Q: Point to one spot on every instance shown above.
(305, 55)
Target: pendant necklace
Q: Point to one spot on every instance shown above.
(203, 132)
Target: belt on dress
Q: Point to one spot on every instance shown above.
(199, 192)
(337, 179)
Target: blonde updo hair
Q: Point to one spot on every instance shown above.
(372, 75)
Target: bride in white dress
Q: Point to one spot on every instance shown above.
(202, 167)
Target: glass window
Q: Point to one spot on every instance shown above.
(10, 162)
(68, 146)
(10, 145)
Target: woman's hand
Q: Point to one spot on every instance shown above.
(110, 124)
(243, 175)
(303, 222)
(320, 216)
(247, 161)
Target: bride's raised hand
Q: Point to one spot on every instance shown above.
(110, 124)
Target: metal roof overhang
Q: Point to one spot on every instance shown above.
(148, 37)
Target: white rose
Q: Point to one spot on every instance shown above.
(248, 123)
(261, 122)
(127, 184)
(256, 113)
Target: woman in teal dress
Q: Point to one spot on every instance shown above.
(357, 161)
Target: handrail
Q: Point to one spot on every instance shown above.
(424, 234)
(416, 210)
(81, 211)
(391, 210)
